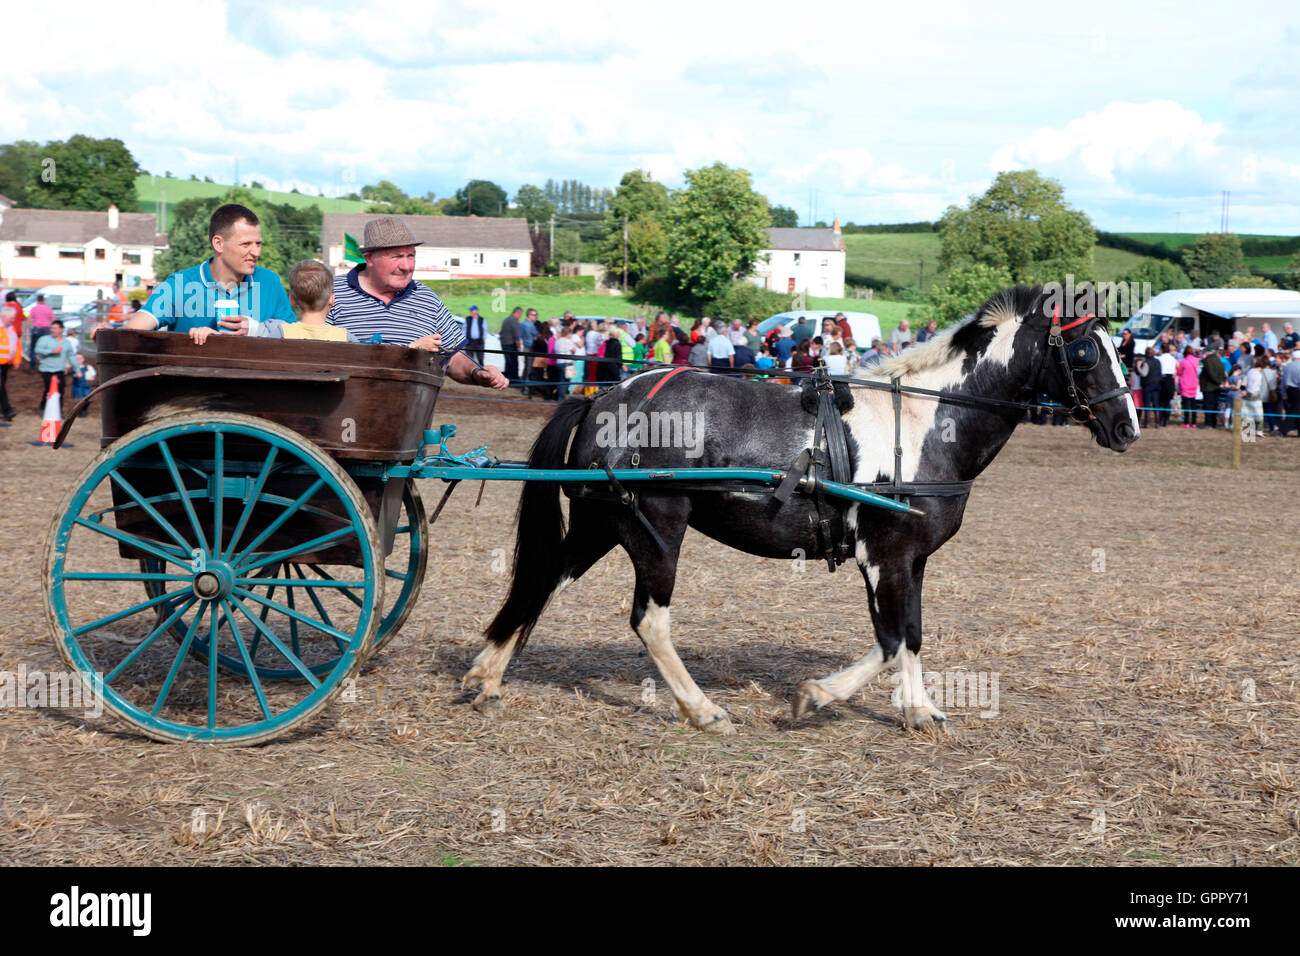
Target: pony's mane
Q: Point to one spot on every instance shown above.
(1005, 306)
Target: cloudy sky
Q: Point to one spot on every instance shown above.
(1145, 112)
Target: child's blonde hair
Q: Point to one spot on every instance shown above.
(837, 349)
(311, 284)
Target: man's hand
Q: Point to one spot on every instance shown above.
(233, 324)
(431, 342)
(490, 377)
(199, 334)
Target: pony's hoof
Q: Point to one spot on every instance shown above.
(718, 723)
(920, 718)
(808, 697)
(489, 706)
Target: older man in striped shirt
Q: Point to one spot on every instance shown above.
(382, 298)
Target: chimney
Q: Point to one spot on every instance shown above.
(112, 216)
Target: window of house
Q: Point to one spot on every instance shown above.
(72, 253)
(797, 258)
(131, 258)
(513, 263)
(25, 252)
(99, 253)
(478, 258)
(454, 261)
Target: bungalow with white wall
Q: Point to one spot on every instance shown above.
(60, 246)
(810, 261)
(452, 247)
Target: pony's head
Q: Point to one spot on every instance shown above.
(1080, 368)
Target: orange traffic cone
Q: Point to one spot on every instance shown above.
(53, 417)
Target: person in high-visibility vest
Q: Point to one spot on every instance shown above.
(117, 313)
(11, 354)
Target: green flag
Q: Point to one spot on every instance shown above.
(351, 251)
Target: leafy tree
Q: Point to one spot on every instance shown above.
(744, 300)
(1249, 282)
(965, 288)
(568, 246)
(83, 173)
(716, 228)
(1213, 259)
(643, 203)
(479, 197)
(1023, 225)
(17, 160)
(383, 191)
(783, 217)
(531, 203)
(1161, 275)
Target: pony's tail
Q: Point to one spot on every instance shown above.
(540, 536)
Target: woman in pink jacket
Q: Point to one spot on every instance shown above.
(1188, 378)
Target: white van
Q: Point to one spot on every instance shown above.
(68, 298)
(863, 325)
(1200, 312)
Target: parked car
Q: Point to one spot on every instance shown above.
(863, 325)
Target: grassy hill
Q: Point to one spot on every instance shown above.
(1176, 240)
(151, 190)
(912, 259)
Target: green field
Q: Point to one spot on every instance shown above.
(150, 190)
(911, 258)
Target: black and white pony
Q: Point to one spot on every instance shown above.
(1002, 353)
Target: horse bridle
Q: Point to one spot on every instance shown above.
(1081, 355)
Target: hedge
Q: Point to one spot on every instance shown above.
(533, 285)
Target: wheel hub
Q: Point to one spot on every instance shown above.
(214, 582)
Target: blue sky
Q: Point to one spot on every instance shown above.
(1144, 111)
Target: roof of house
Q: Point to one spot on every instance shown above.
(819, 240)
(441, 232)
(78, 227)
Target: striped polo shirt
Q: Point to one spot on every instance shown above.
(412, 314)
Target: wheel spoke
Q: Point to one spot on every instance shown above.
(293, 623)
(143, 645)
(320, 608)
(124, 576)
(176, 664)
(212, 665)
(184, 493)
(143, 544)
(298, 615)
(284, 516)
(287, 583)
(127, 612)
(303, 548)
(219, 458)
(150, 510)
(247, 658)
(346, 593)
(251, 502)
(298, 665)
(395, 574)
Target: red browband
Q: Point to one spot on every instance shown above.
(1056, 319)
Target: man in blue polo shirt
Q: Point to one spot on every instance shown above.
(187, 299)
(381, 297)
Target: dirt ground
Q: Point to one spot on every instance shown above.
(1136, 615)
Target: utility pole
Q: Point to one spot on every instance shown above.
(625, 255)
(920, 280)
(551, 247)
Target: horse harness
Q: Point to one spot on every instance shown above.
(828, 459)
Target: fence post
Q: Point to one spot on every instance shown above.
(1236, 433)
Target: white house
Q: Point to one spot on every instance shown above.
(57, 246)
(802, 260)
(453, 247)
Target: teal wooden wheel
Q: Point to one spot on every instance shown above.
(207, 513)
(406, 564)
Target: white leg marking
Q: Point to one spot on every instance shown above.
(911, 695)
(701, 711)
(486, 674)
